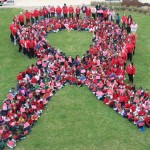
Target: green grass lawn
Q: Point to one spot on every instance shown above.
(75, 119)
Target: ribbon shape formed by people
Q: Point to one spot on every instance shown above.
(102, 69)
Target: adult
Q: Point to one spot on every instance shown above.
(131, 71)
(45, 10)
(83, 9)
(28, 16)
(134, 27)
(88, 13)
(78, 12)
(21, 19)
(98, 7)
(93, 11)
(58, 12)
(71, 11)
(118, 19)
(52, 11)
(130, 49)
(36, 15)
(124, 21)
(65, 11)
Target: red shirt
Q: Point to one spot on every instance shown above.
(36, 13)
(52, 10)
(65, 9)
(78, 10)
(58, 10)
(21, 18)
(124, 19)
(88, 12)
(130, 69)
(27, 15)
(71, 10)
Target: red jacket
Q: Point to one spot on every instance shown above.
(71, 10)
(124, 19)
(130, 48)
(36, 13)
(65, 10)
(21, 18)
(78, 10)
(52, 10)
(58, 10)
(88, 12)
(28, 15)
(130, 69)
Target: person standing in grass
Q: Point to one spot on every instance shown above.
(78, 12)
(36, 15)
(131, 71)
(28, 16)
(118, 19)
(52, 11)
(88, 13)
(93, 10)
(124, 20)
(71, 11)
(83, 9)
(21, 19)
(65, 11)
(58, 12)
(98, 7)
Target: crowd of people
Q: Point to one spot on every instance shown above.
(102, 68)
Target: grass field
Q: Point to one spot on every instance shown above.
(75, 119)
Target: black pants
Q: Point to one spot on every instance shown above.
(71, 16)
(24, 51)
(65, 16)
(31, 52)
(20, 47)
(77, 15)
(130, 77)
(11, 37)
(52, 15)
(130, 56)
(32, 20)
(94, 15)
(21, 23)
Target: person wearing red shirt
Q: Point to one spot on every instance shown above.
(41, 14)
(52, 11)
(78, 12)
(28, 16)
(124, 20)
(71, 11)
(45, 10)
(11, 29)
(65, 11)
(36, 15)
(32, 16)
(88, 13)
(31, 48)
(21, 19)
(147, 120)
(58, 12)
(130, 49)
(130, 71)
